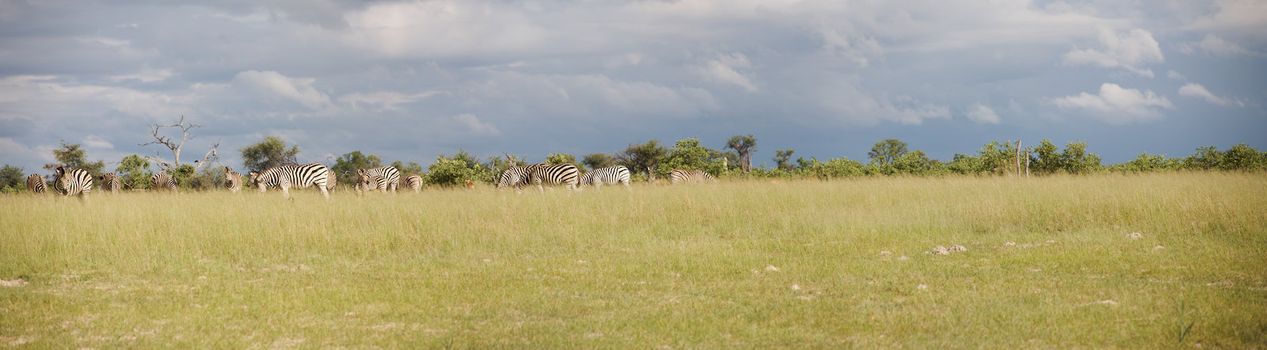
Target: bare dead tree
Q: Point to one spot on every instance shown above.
(176, 146)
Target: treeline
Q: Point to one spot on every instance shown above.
(651, 160)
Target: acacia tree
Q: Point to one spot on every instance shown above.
(886, 152)
(642, 157)
(176, 146)
(598, 160)
(270, 152)
(744, 145)
(73, 156)
(783, 157)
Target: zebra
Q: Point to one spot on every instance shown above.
(232, 179)
(72, 182)
(366, 182)
(163, 181)
(553, 174)
(515, 176)
(689, 176)
(387, 177)
(610, 175)
(414, 182)
(110, 182)
(300, 176)
(35, 183)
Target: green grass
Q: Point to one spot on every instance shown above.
(709, 266)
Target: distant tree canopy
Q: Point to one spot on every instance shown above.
(270, 152)
(782, 159)
(134, 172)
(12, 180)
(73, 156)
(346, 165)
(743, 145)
(689, 154)
(598, 160)
(642, 158)
(562, 158)
(887, 151)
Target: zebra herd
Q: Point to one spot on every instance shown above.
(71, 182)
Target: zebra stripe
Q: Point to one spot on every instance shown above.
(163, 181)
(387, 177)
(35, 183)
(73, 182)
(515, 176)
(414, 182)
(553, 174)
(610, 176)
(110, 182)
(299, 176)
(233, 179)
(689, 176)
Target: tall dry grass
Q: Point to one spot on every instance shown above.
(1050, 264)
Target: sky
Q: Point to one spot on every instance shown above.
(413, 80)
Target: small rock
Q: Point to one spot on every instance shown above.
(1009, 244)
(922, 287)
(772, 268)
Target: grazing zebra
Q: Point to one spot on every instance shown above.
(689, 176)
(515, 176)
(73, 181)
(299, 176)
(232, 179)
(414, 182)
(366, 182)
(610, 175)
(35, 183)
(387, 177)
(163, 181)
(332, 180)
(553, 174)
(110, 182)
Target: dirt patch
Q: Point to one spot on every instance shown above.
(13, 283)
(942, 250)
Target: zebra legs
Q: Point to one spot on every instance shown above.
(324, 192)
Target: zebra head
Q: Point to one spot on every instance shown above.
(255, 179)
(227, 171)
(63, 181)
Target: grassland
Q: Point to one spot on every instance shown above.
(1050, 263)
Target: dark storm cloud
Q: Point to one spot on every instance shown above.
(411, 80)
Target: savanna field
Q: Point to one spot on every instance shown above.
(1106, 261)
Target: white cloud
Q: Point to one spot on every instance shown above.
(982, 114)
(145, 76)
(1131, 51)
(300, 90)
(383, 100)
(725, 69)
(1173, 75)
(1116, 105)
(1213, 45)
(94, 141)
(27, 95)
(1245, 16)
(1198, 91)
(474, 125)
(852, 104)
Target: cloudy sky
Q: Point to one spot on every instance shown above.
(411, 80)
